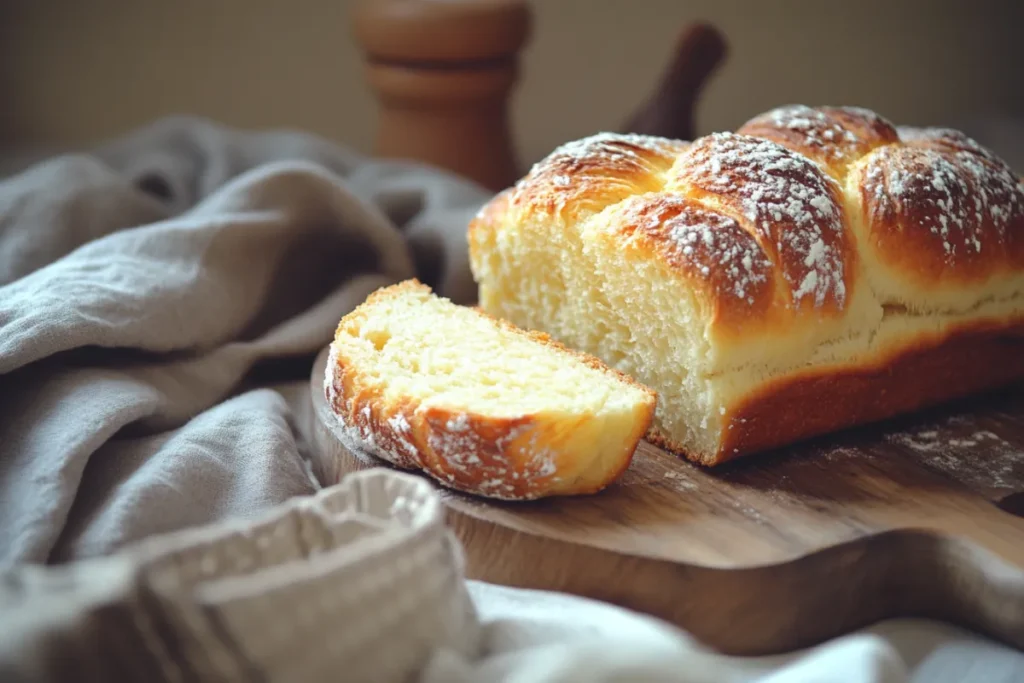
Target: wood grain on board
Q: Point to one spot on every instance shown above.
(911, 517)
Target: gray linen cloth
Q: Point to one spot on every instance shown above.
(161, 299)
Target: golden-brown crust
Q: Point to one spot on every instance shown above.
(516, 458)
(834, 137)
(488, 215)
(935, 370)
(786, 202)
(721, 260)
(921, 219)
(940, 209)
(590, 174)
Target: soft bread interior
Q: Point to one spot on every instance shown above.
(578, 417)
(590, 300)
(427, 348)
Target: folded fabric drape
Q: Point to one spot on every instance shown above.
(361, 581)
(162, 299)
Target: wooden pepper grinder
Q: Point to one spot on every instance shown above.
(442, 72)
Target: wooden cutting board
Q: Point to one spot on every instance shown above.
(919, 516)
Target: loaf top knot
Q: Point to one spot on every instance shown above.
(834, 137)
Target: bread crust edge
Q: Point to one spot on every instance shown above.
(972, 360)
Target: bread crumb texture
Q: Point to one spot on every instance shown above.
(482, 406)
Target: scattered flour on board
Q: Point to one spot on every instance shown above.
(981, 460)
(747, 511)
(831, 453)
(680, 482)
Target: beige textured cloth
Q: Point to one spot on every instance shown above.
(161, 300)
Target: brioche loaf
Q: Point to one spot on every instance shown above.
(479, 405)
(817, 269)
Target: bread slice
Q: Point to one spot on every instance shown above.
(477, 403)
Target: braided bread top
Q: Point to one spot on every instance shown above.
(799, 215)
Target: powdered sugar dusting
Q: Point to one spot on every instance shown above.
(507, 458)
(598, 170)
(402, 433)
(475, 462)
(610, 148)
(831, 136)
(457, 444)
(817, 129)
(945, 140)
(490, 466)
(713, 242)
(869, 117)
(725, 250)
(356, 436)
(930, 191)
(944, 186)
(996, 198)
(332, 362)
(786, 198)
(458, 424)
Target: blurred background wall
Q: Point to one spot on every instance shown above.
(74, 71)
